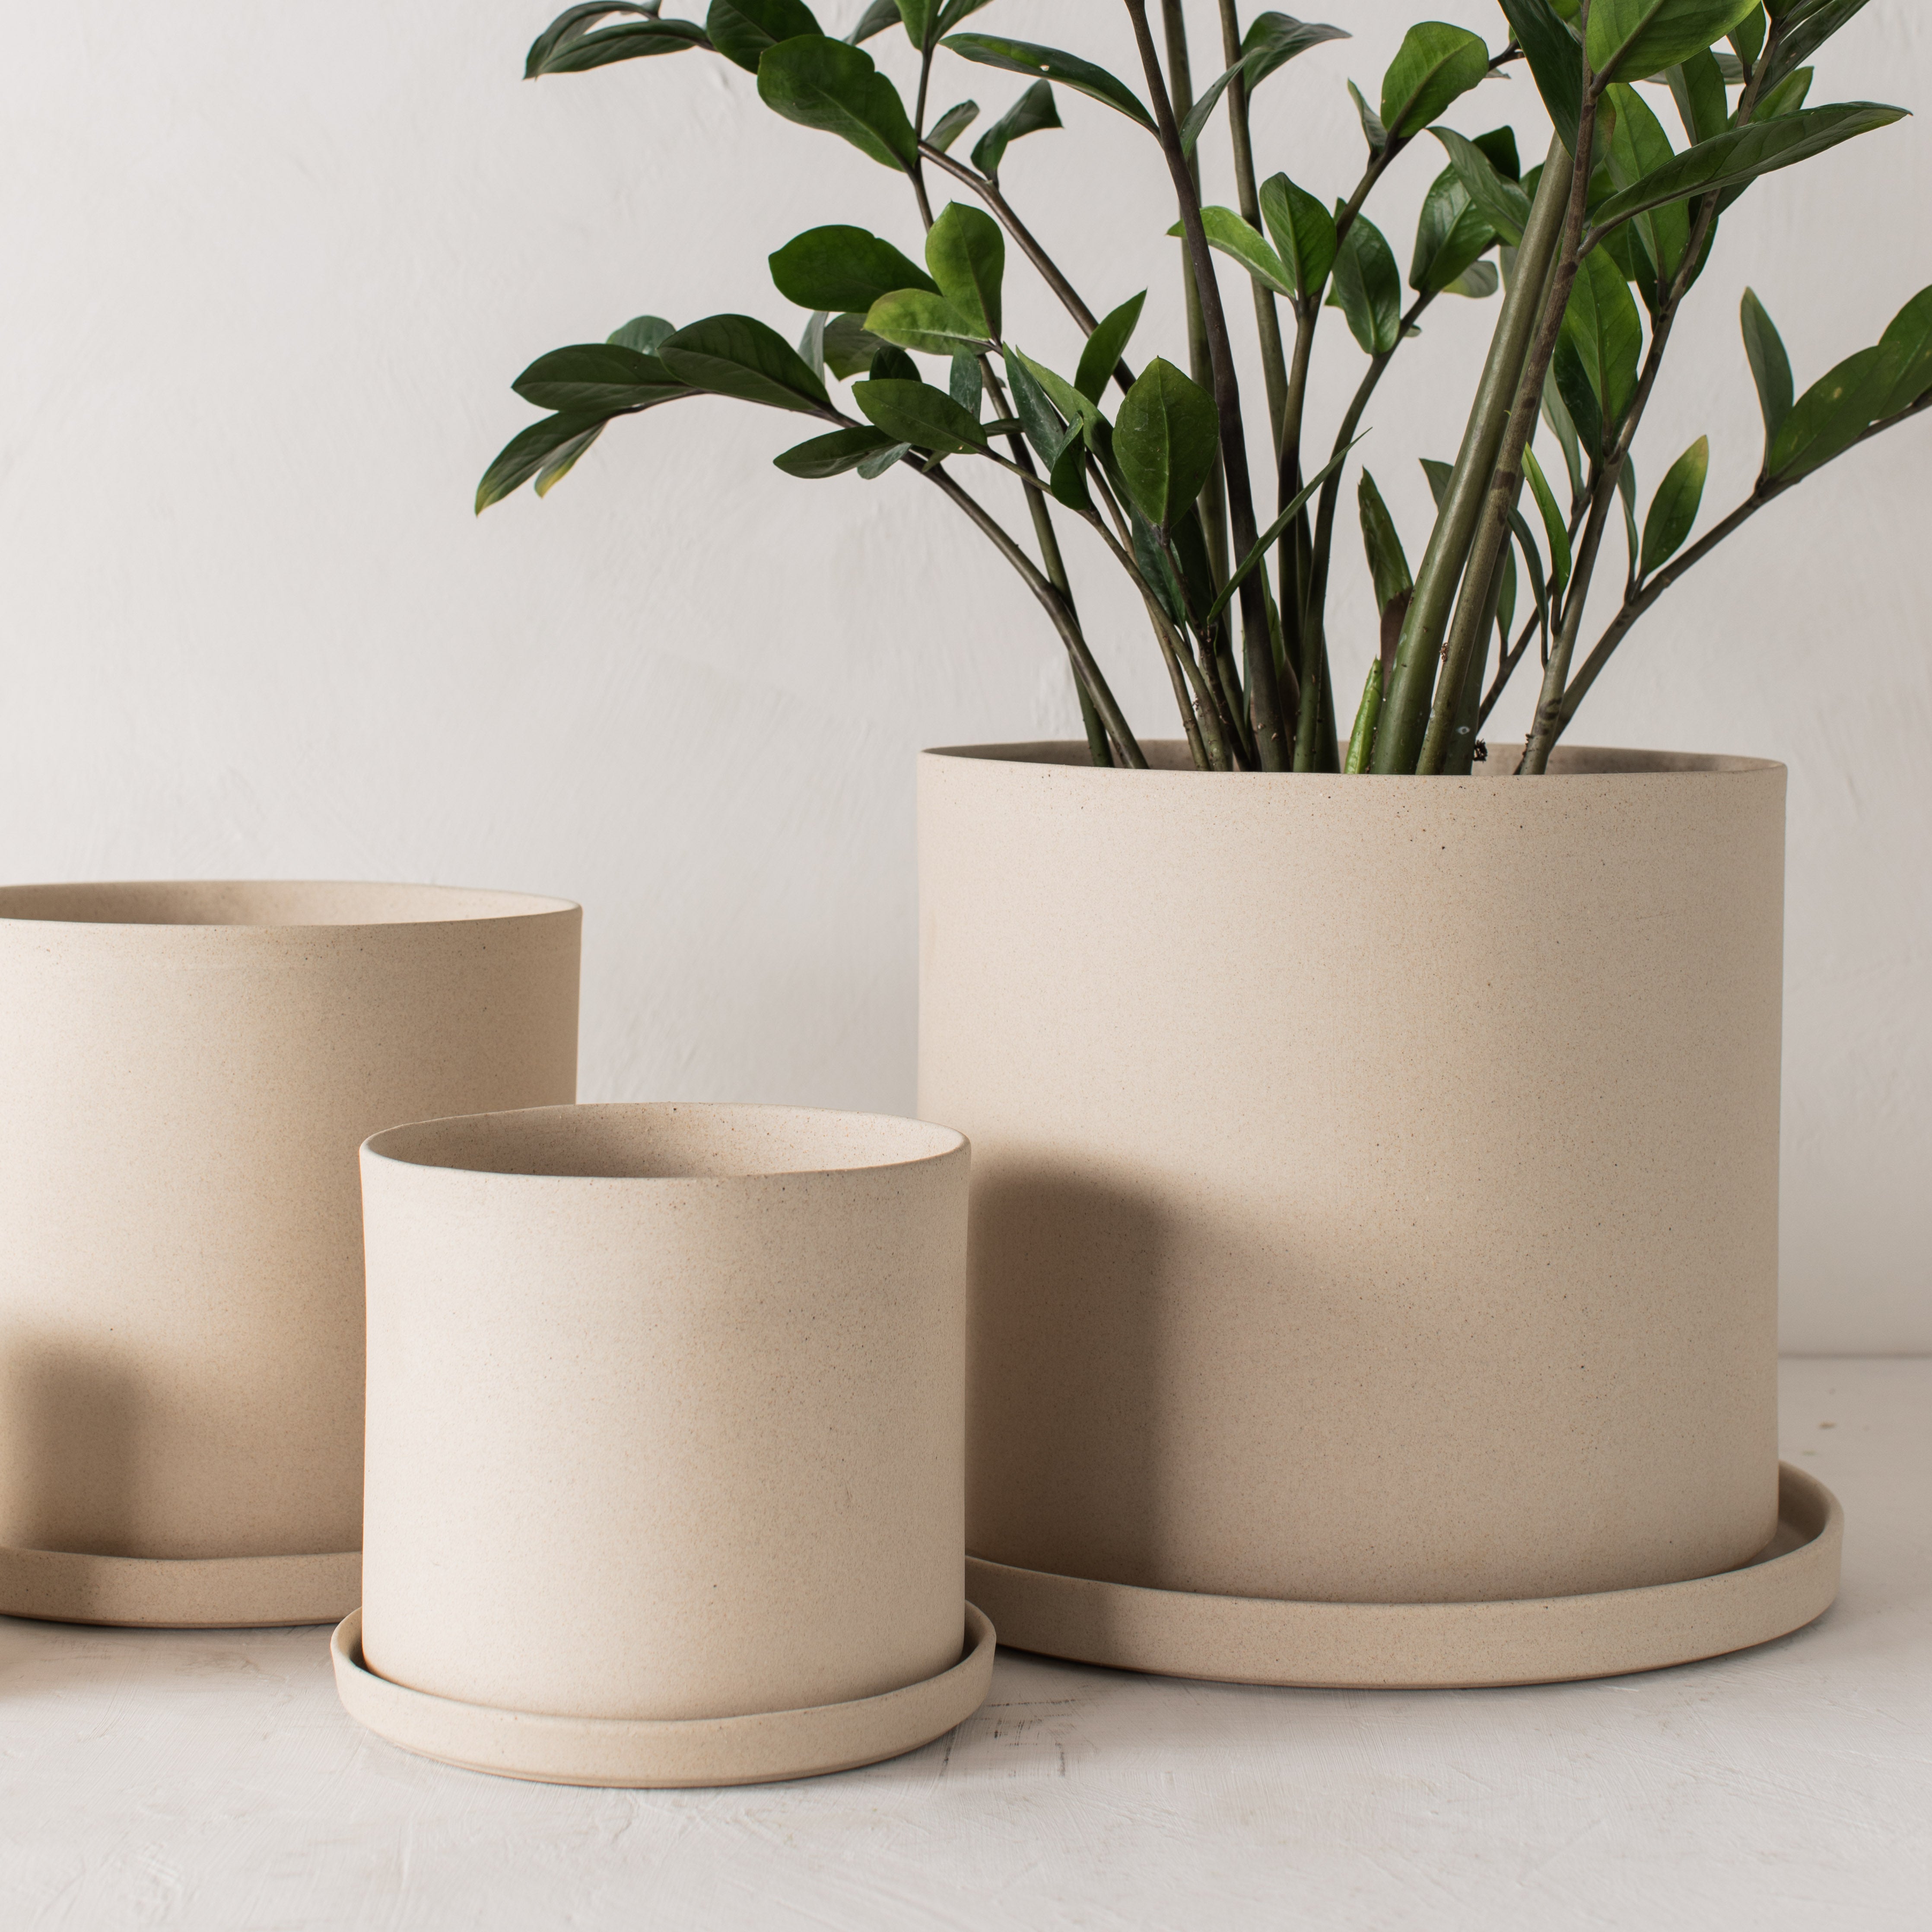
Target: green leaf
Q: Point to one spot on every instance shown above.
(1747, 36)
(850, 346)
(1064, 396)
(738, 356)
(838, 268)
(1165, 438)
(966, 252)
(832, 455)
(1387, 565)
(1579, 399)
(556, 441)
(917, 413)
(1228, 233)
(1439, 474)
(824, 84)
(643, 333)
(890, 365)
(574, 43)
(1044, 426)
(952, 125)
(1271, 42)
(929, 323)
(1368, 287)
(1477, 283)
(1601, 326)
(1631, 40)
(1562, 426)
(1554, 62)
(876, 466)
(1368, 715)
(1501, 202)
(875, 20)
(1744, 153)
(1066, 473)
(1436, 64)
(1638, 148)
(1804, 29)
(1674, 508)
(1554, 526)
(1373, 132)
(1105, 346)
(1302, 232)
(1295, 506)
(1498, 147)
(811, 344)
(1506, 596)
(1770, 367)
(1908, 337)
(1697, 86)
(597, 379)
(921, 18)
(741, 30)
(1786, 97)
(1627, 497)
(967, 385)
(1834, 413)
(1033, 112)
(1451, 234)
(1083, 76)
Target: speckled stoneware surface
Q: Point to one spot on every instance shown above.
(666, 1412)
(1375, 1183)
(189, 1070)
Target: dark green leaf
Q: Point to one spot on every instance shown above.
(1786, 97)
(738, 356)
(1506, 596)
(1579, 399)
(741, 30)
(1066, 473)
(1554, 60)
(1502, 203)
(921, 18)
(967, 253)
(1302, 232)
(597, 379)
(1747, 36)
(1477, 283)
(574, 43)
(875, 20)
(832, 455)
(1383, 546)
(1439, 474)
(1368, 287)
(1697, 86)
(1451, 234)
(1639, 147)
(1626, 495)
(1271, 42)
(1806, 29)
(1554, 526)
(1743, 153)
(838, 268)
(1908, 338)
(1631, 40)
(1674, 508)
(1435, 64)
(917, 413)
(643, 333)
(1834, 413)
(954, 11)
(967, 385)
(1770, 367)
(1045, 428)
(929, 323)
(1033, 112)
(1601, 326)
(1228, 233)
(1295, 506)
(1556, 414)
(878, 465)
(952, 125)
(556, 441)
(824, 84)
(1064, 396)
(1023, 57)
(1165, 438)
(850, 346)
(1498, 147)
(1373, 132)
(1105, 346)
(890, 365)
(811, 344)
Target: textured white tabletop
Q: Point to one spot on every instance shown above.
(209, 1780)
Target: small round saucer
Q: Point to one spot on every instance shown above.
(1430, 1646)
(68, 1586)
(651, 1753)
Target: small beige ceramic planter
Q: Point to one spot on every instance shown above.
(1374, 1213)
(189, 1069)
(666, 1448)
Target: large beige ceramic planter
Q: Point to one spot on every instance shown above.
(186, 1072)
(666, 1454)
(1375, 1204)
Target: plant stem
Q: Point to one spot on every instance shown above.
(1264, 693)
(1405, 703)
(1267, 318)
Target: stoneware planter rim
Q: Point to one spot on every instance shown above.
(1169, 758)
(765, 1747)
(137, 904)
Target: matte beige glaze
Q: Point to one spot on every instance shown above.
(1431, 1646)
(1374, 1181)
(666, 1409)
(190, 1069)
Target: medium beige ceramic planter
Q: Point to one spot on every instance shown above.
(188, 1070)
(1375, 1204)
(666, 1453)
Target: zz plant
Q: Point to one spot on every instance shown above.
(1596, 249)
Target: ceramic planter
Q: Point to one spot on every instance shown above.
(189, 1070)
(666, 1449)
(1375, 1204)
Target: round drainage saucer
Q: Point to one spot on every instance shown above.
(1430, 1646)
(640, 1752)
(68, 1586)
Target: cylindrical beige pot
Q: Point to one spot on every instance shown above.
(189, 1070)
(1375, 1193)
(665, 1427)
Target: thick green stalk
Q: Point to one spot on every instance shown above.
(1406, 703)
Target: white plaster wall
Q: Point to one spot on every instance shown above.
(268, 271)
